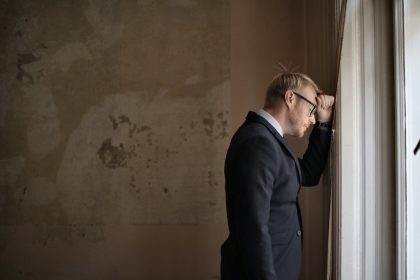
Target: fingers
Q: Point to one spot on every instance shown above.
(330, 100)
(325, 101)
(318, 101)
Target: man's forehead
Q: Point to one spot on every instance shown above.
(309, 91)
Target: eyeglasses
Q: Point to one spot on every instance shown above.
(313, 110)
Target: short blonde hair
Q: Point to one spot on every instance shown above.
(284, 81)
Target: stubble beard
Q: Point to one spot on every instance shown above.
(297, 126)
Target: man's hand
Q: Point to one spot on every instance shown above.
(324, 107)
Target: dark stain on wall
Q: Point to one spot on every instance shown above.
(25, 58)
(43, 234)
(113, 156)
(223, 124)
(215, 125)
(144, 128)
(211, 180)
(121, 119)
(208, 123)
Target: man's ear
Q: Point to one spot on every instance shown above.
(288, 98)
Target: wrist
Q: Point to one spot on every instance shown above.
(324, 125)
(323, 120)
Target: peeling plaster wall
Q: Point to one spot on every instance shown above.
(115, 117)
(114, 123)
(103, 100)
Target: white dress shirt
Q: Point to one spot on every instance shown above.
(271, 120)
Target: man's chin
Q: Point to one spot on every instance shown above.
(299, 134)
(302, 132)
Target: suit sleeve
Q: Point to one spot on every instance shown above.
(316, 156)
(255, 173)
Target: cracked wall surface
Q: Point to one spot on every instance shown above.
(112, 113)
(114, 121)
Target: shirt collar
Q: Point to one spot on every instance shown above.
(271, 120)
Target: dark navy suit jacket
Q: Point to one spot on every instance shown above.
(263, 178)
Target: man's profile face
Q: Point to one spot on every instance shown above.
(300, 115)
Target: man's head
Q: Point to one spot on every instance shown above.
(292, 98)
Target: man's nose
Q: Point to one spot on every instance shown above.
(312, 119)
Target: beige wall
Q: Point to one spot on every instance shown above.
(262, 34)
(114, 122)
(111, 252)
(113, 130)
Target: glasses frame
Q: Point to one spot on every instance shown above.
(313, 110)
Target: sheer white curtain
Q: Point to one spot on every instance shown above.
(412, 93)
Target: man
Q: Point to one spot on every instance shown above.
(263, 178)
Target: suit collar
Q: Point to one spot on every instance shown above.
(271, 120)
(254, 117)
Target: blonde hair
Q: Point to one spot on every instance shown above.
(284, 81)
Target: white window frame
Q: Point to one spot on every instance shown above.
(407, 58)
(361, 198)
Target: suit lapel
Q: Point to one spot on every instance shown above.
(283, 142)
(252, 116)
